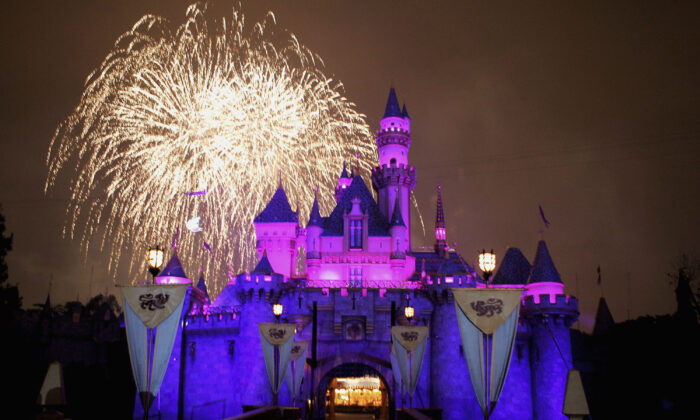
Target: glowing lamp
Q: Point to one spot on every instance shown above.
(487, 263)
(155, 260)
(409, 311)
(277, 310)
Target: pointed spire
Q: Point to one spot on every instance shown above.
(440, 227)
(396, 218)
(345, 171)
(392, 105)
(404, 113)
(543, 269)
(315, 218)
(277, 210)
(514, 269)
(264, 265)
(173, 268)
(439, 214)
(603, 318)
(201, 285)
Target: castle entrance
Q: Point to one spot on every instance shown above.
(354, 391)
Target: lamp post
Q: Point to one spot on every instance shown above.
(277, 310)
(155, 261)
(487, 263)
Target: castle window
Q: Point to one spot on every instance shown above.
(355, 233)
(355, 277)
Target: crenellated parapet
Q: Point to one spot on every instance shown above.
(560, 307)
(393, 135)
(259, 287)
(393, 175)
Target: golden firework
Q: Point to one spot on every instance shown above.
(208, 107)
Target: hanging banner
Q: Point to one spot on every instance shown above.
(488, 323)
(152, 315)
(409, 348)
(153, 303)
(278, 336)
(296, 367)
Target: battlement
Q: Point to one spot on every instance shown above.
(213, 318)
(545, 304)
(392, 130)
(389, 175)
(393, 135)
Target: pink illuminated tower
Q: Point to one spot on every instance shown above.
(394, 179)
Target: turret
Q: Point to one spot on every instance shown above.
(276, 229)
(440, 228)
(173, 273)
(394, 177)
(549, 314)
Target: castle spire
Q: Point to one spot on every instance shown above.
(440, 228)
(392, 105)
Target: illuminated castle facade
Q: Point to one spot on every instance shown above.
(360, 269)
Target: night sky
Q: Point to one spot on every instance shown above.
(590, 110)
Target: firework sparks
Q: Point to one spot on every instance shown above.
(201, 107)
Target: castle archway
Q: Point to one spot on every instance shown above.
(354, 391)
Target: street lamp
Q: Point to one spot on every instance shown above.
(487, 263)
(277, 310)
(409, 311)
(155, 261)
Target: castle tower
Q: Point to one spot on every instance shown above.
(256, 291)
(440, 228)
(276, 229)
(394, 177)
(549, 313)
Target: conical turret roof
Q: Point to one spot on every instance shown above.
(315, 218)
(173, 268)
(201, 285)
(396, 218)
(404, 112)
(603, 318)
(392, 105)
(514, 269)
(543, 269)
(277, 210)
(264, 265)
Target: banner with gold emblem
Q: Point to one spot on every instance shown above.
(152, 315)
(488, 322)
(295, 373)
(276, 338)
(409, 348)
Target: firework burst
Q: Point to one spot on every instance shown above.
(207, 106)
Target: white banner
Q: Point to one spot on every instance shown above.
(153, 303)
(409, 348)
(152, 315)
(278, 336)
(296, 367)
(488, 319)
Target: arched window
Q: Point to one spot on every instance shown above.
(355, 233)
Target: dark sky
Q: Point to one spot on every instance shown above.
(590, 109)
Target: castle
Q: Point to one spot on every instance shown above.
(360, 273)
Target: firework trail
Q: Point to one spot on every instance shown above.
(207, 106)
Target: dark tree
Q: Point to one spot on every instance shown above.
(9, 295)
